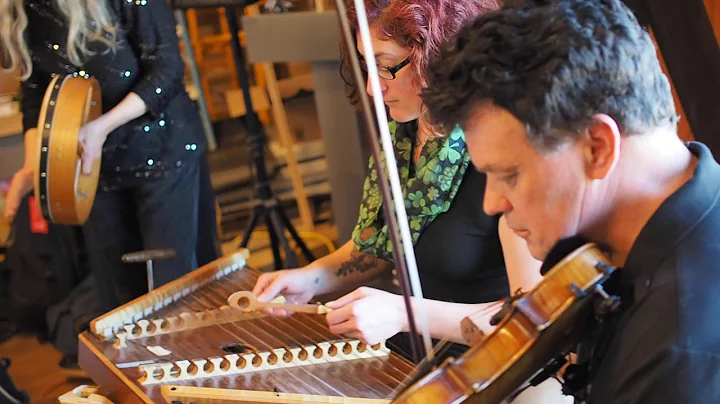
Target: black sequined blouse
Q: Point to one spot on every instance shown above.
(147, 62)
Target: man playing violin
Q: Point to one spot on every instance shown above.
(566, 109)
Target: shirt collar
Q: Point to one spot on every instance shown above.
(676, 217)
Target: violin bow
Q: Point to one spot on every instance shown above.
(406, 268)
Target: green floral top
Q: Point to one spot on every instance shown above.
(428, 188)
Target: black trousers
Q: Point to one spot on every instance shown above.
(158, 214)
(43, 270)
(208, 241)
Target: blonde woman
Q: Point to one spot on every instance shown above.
(149, 135)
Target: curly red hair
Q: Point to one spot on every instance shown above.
(419, 25)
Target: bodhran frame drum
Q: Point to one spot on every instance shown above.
(63, 193)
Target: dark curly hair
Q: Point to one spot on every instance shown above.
(419, 25)
(553, 67)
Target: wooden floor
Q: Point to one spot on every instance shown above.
(35, 369)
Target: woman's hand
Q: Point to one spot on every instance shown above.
(21, 184)
(23, 180)
(368, 314)
(298, 286)
(92, 137)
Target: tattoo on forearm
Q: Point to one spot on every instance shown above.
(358, 262)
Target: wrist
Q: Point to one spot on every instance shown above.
(25, 172)
(403, 313)
(318, 276)
(107, 123)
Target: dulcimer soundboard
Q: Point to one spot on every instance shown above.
(183, 335)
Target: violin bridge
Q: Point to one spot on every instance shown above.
(280, 358)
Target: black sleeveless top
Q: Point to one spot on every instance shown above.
(459, 256)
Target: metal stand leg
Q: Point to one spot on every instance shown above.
(267, 206)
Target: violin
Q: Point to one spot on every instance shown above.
(548, 321)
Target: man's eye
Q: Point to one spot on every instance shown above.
(509, 179)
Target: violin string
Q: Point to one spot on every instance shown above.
(490, 309)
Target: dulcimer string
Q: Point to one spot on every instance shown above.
(295, 320)
(316, 319)
(213, 295)
(263, 343)
(406, 268)
(210, 296)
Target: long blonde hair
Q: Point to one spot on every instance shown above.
(87, 20)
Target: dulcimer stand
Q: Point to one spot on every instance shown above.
(267, 206)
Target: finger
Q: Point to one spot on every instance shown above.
(87, 161)
(11, 207)
(31, 145)
(345, 327)
(357, 294)
(274, 312)
(340, 315)
(263, 281)
(271, 290)
(357, 335)
(20, 185)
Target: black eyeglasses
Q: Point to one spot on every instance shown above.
(386, 72)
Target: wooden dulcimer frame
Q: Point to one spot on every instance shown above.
(63, 194)
(182, 334)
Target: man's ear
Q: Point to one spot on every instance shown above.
(602, 149)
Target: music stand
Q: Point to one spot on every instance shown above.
(266, 205)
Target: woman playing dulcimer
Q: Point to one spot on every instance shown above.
(467, 260)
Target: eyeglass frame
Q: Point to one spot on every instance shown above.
(391, 69)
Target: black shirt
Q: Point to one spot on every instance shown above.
(459, 256)
(148, 62)
(666, 347)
